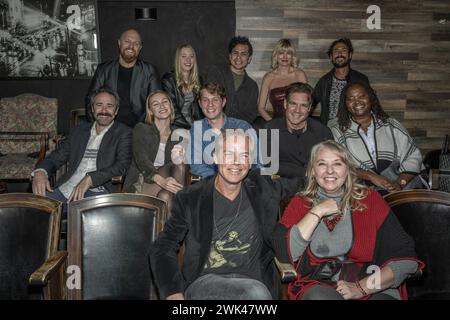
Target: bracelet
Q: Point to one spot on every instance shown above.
(315, 214)
(358, 285)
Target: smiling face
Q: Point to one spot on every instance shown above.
(284, 58)
(104, 109)
(239, 58)
(130, 46)
(211, 104)
(358, 102)
(329, 170)
(187, 59)
(233, 159)
(340, 55)
(297, 108)
(160, 106)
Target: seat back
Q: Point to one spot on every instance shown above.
(77, 116)
(425, 216)
(29, 227)
(109, 240)
(27, 112)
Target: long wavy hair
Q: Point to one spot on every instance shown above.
(284, 45)
(344, 116)
(353, 190)
(150, 117)
(193, 82)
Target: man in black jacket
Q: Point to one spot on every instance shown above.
(132, 78)
(328, 89)
(95, 153)
(226, 222)
(298, 132)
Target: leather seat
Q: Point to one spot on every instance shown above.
(109, 237)
(29, 228)
(425, 215)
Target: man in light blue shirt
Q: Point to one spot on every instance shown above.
(204, 132)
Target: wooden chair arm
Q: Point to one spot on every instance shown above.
(46, 271)
(58, 138)
(117, 179)
(287, 271)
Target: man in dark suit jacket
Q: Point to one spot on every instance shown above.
(226, 222)
(133, 79)
(95, 153)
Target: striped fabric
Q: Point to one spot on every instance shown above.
(392, 142)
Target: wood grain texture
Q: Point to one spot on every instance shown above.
(407, 61)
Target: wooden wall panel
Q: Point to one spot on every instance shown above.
(407, 61)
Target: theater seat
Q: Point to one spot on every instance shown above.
(30, 265)
(425, 216)
(109, 237)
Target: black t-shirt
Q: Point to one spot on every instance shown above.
(295, 147)
(236, 241)
(126, 114)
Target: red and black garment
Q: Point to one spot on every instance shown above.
(378, 238)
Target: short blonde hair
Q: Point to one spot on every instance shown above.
(354, 191)
(150, 117)
(284, 45)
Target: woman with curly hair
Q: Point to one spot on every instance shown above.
(337, 230)
(275, 82)
(386, 155)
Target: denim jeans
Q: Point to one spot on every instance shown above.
(227, 287)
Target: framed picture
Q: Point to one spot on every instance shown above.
(48, 39)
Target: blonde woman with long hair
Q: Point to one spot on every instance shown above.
(156, 168)
(183, 84)
(284, 71)
(336, 229)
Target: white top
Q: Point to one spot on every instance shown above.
(369, 140)
(87, 164)
(159, 160)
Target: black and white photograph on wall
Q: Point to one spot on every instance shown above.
(48, 39)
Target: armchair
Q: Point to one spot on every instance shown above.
(109, 238)
(30, 265)
(425, 216)
(28, 125)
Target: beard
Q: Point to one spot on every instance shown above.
(341, 64)
(128, 57)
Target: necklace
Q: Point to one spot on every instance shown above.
(232, 221)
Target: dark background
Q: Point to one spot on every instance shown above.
(206, 25)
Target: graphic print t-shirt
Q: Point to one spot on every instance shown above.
(236, 241)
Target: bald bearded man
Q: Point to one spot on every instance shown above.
(132, 78)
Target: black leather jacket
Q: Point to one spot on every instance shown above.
(323, 88)
(184, 115)
(145, 79)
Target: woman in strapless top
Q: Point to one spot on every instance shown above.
(276, 98)
(275, 82)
